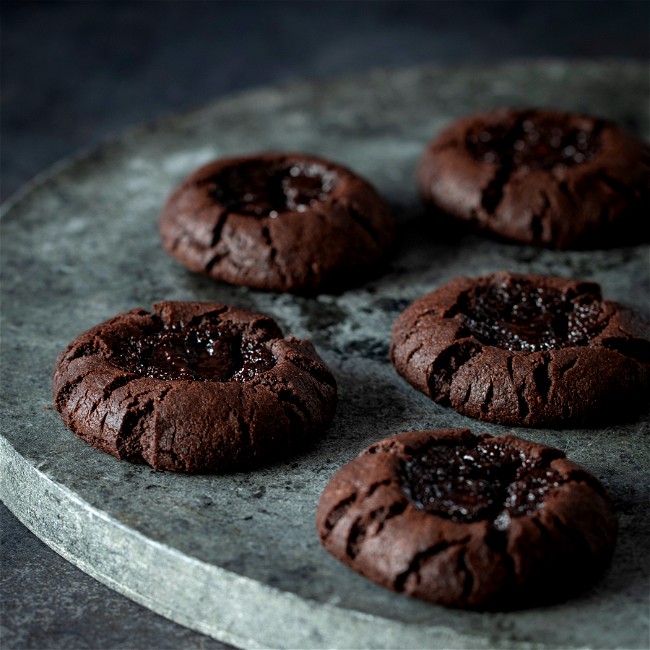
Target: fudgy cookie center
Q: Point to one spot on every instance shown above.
(261, 189)
(533, 144)
(198, 354)
(520, 316)
(471, 483)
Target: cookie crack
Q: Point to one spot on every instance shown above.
(542, 378)
(286, 396)
(487, 400)
(389, 447)
(337, 513)
(375, 519)
(355, 538)
(538, 218)
(564, 189)
(129, 438)
(492, 193)
(468, 576)
(447, 364)
(313, 369)
(225, 253)
(562, 370)
(273, 254)
(468, 393)
(418, 559)
(197, 321)
(107, 391)
(413, 352)
(215, 259)
(115, 384)
(63, 394)
(435, 312)
(365, 222)
(381, 515)
(217, 230)
(522, 404)
(296, 412)
(509, 369)
(375, 486)
(177, 460)
(88, 349)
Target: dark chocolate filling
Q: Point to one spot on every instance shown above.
(202, 353)
(469, 483)
(533, 144)
(259, 189)
(520, 316)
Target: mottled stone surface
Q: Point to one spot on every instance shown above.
(237, 556)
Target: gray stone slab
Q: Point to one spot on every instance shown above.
(237, 557)
(48, 604)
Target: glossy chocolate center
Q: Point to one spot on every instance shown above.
(533, 144)
(260, 189)
(198, 354)
(471, 483)
(519, 316)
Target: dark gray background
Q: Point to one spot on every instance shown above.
(74, 72)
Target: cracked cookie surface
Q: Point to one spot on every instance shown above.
(193, 387)
(525, 350)
(541, 177)
(278, 221)
(468, 521)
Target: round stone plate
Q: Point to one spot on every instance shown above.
(237, 557)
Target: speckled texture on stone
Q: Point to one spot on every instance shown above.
(237, 557)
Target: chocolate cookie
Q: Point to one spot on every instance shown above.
(468, 521)
(193, 387)
(525, 350)
(278, 221)
(541, 177)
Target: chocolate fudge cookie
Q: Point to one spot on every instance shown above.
(541, 177)
(525, 350)
(193, 387)
(469, 521)
(278, 221)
